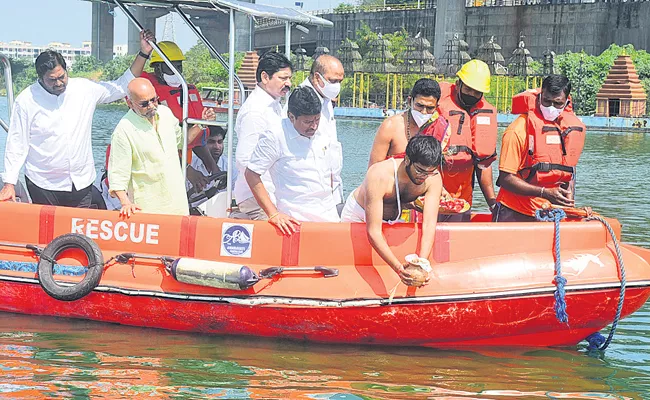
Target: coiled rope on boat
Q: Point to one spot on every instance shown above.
(596, 340)
(556, 215)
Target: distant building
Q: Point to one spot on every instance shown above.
(20, 49)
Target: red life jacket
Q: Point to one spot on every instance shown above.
(473, 140)
(436, 128)
(172, 97)
(554, 148)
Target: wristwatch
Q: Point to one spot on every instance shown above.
(144, 55)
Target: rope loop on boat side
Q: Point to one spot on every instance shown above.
(596, 340)
(556, 215)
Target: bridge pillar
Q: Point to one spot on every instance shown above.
(148, 20)
(215, 28)
(102, 32)
(450, 19)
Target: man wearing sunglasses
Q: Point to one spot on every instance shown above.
(168, 88)
(539, 152)
(388, 187)
(144, 156)
(50, 130)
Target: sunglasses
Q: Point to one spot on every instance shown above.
(145, 103)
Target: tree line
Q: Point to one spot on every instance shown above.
(586, 72)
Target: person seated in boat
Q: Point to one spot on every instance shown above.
(539, 152)
(325, 78)
(259, 112)
(422, 118)
(473, 142)
(215, 147)
(50, 130)
(169, 90)
(391, 184)
(102, 198)
(296, 154)
(144, 156)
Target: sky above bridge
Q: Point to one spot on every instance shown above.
(69, 21)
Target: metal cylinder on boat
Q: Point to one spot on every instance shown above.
(214, 274)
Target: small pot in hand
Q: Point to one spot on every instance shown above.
(418, 268)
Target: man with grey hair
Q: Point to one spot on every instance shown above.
(144, 156)
(325, 78)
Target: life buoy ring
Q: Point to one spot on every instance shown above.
(53, 250)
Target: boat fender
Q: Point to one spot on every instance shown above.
(48, 259)
(214, 274)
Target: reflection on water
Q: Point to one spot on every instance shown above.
(47, 357)
(90, 359)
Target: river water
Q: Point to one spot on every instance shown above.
(49, 357)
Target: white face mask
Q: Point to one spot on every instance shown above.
(419, 118)
(330, 90)
(550, 113)
(172, 80)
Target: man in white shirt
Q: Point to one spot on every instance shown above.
(296, 154)
(50, 131)
(325, 77)
(261, 110)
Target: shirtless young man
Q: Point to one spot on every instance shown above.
(391, 184)
(420, 119)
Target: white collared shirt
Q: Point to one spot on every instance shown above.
(222, 164)
(51, 135)
(328, 124)
(255, 116)
(300, 168)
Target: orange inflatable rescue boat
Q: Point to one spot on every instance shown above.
(491, 284)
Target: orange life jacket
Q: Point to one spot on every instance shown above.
(473, 140)
(438, 129)
(554, 148)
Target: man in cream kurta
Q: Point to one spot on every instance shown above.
(144, 156)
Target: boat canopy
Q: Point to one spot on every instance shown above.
(252, 9)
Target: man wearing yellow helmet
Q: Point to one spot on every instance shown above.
(169, 90)
(472, 146)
